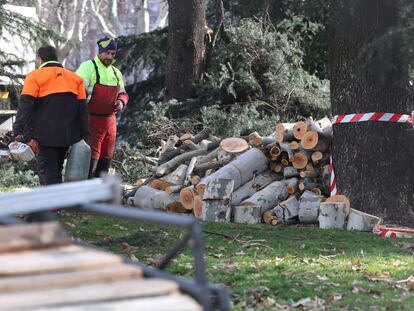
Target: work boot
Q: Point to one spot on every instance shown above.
(92, 168)
(102, 167)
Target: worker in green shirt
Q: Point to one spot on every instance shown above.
(106, 96)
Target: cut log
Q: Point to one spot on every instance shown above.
(252, 186)
(291, 184)
(216, 210)
(309, 167)
(200, 168)
(324, 123)
(268, 216)
(332, 215)
(175, 207)
(361, 221)
(192, 146)
(268, 197)
(186, 136)
(167, 167)
(316, 191)
(140, 182)
(195, 179)
(309, 204)
(326, 179)
(174, 153)
(286, 148)
(278, 168)
(173, 189)
(159, 184)
(309, 174)
(218, 189)
(170, 144)
(289, 172)
(315, 141)
(234, 145)
(274, 152)
(189, 171)
(198, 207)
(178, 176)
(205, 143)
(209, 157)
(300, 160)
(340, 198)
(287, 209)
(284, 132)
(299, 129)
(256, 140)
(247, 214)
(308, 184)
(284, 159)
(317, 156)
(150, 198)
(187, 197)
(294, 145)
(241, 169)
(283, 127)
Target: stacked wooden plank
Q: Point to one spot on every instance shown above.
(280, 178)
(41, 269)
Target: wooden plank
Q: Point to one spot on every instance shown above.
(60, 279)
(173, 302)
(87, 293)
(30, 236)
(72, 257)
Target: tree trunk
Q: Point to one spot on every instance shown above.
(366, 155)
(186, 48)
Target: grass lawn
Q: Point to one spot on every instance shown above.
(271, 268)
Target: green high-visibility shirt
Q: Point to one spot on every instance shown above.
(106, 75)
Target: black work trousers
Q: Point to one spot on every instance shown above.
(49, 165)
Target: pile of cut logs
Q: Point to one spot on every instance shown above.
(280, 178)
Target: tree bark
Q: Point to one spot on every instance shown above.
(186, 48)
(367, 154)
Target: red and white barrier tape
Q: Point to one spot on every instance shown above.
(332, 178)
(393, 232)
(365, 117)
(373, 116)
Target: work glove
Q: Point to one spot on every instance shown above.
(118, 106)
(34, 145)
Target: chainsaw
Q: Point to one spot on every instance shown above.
(18, 151)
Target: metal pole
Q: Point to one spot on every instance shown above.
(179, 246)
(58, 196)
(146, 216)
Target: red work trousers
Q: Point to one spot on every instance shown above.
(102, 136)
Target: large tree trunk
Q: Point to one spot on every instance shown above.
(186, 47)
(372, 160)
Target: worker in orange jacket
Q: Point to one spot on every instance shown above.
(52, 111)
(107, 96)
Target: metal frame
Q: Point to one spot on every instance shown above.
(82, 195)
(209, 296)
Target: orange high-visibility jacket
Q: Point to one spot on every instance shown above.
(52, 107)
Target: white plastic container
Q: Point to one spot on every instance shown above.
(77, 164)
(21, 152)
